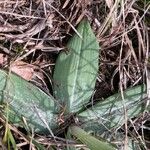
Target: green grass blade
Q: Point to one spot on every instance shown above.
(28, 101)
(9, 139)
(69, 147)
(90, 141)
(109, 113)
(76, 69)
(12, 140)
(37, 145)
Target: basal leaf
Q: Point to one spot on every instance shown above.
(109, 113)
(90, 141)
(26, 100)
(76, 70)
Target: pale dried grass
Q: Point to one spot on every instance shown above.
(43, 26)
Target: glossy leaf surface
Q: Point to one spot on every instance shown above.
(110, 113)
(23, 99)
(76, 70)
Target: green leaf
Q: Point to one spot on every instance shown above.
(132, 141)
(27, 101)
(109, 113)
(68, 136)
(76, 70)
(90, 141)
(9, 139)
(38, 145)
(134, 145)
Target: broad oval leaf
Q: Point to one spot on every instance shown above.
(28, 101)
(109, 113)
(76, 70)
